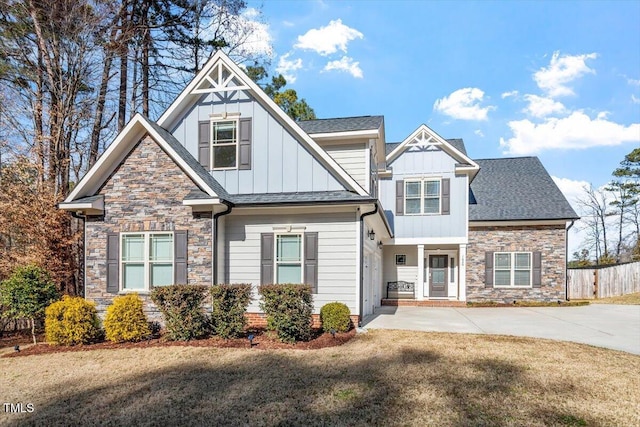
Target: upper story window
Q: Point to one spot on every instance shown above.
(512, 269)
(422, 196)
(224, 142)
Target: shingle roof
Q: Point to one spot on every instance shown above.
(341, 124)
(299, 198)
(516, 189)
(457, 143)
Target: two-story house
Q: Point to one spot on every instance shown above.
(226, 188)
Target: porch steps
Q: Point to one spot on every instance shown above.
(424, 303)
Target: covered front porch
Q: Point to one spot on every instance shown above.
(424, 274)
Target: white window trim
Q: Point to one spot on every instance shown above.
(423, 187)
(212, 123)
(146, 261)
(275, 255)
(513, 269)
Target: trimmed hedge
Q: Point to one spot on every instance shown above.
(229, 303)
(72, 321)
(336, 316)
(288, 308)
(125, 320)
(182, 309)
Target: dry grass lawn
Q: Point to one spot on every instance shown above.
(378, 378)
(629, 299)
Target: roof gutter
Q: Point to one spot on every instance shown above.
(214, 232)
(360, 309)
(566, 257)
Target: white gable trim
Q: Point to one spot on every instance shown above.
(118, 150)
(214, 65)
(425, 135)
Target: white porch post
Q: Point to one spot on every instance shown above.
(419, 289)
(462, 273)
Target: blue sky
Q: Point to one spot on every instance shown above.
(559, 80)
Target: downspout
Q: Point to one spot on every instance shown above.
(214, 232)
(566, 257)
(360, 308)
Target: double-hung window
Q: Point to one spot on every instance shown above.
(288, 268)
(146, 260)
(224, 142)
(422, 196)
(512, 269)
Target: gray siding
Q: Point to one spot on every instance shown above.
(353, 159)
(337, 260)
(415, 163)
(279, 163)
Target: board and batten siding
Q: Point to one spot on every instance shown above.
(432, 163)
(337, 256)
(279, 163)
(353, 159)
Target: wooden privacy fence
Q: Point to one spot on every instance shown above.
(603, 282)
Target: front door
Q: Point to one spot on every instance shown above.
(438, 276)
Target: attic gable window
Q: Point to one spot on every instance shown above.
(224, 142)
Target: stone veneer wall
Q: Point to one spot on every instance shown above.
(549, 240)
(145, 193)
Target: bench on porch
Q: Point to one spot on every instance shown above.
(401, 290)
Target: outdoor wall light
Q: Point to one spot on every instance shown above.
(379, 244)
(372, 235)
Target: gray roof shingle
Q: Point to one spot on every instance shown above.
(516, 189)
(299, 198)
(341, 124)
(457, 143)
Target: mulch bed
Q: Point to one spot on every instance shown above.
(261, 341)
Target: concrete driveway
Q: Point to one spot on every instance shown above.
(603, 325)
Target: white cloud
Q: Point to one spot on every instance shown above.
(633, 82)
(246, 35)
(345, 64)
(508, 94)
(572, 189)
(288, 67)
(577, 131)
(561, 71)
(463, 104)
(479, 133)
(635, 99)
(542, 107)
(327, 40)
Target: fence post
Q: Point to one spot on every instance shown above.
(595, 283)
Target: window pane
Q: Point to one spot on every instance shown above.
(413, 189)
(161, 274)
(503, 261)
(431, 205)
(224, 156)
(433, 188)
(522, 278)
(133, 247)
(502, 278)
(452, 270)
(161, 247)
(133, 276)
(523, 261)
(437, 276)
(412, 206)
(224, 132)
(289, 248)
(289, 273)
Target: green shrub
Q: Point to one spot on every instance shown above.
(125, 320)
(72, 321)
(182, 310)
(229, 303)
(336, 316)
(288, 308)
(26, 294)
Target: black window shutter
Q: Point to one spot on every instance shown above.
(204, 143)
(446, 188)
(400, 197)
(266, 258)
(488, 269)
(180, 243)
(537, 270)
(311, 260)
(244, 144)
(113, 262)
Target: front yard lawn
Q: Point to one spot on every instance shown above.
(378, 378)
(630, 299)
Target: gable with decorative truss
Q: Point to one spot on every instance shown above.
(219, 79)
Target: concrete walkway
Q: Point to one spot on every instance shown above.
(603, 325)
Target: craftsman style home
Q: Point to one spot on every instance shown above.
(226, 188)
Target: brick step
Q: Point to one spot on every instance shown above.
(424, 303)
